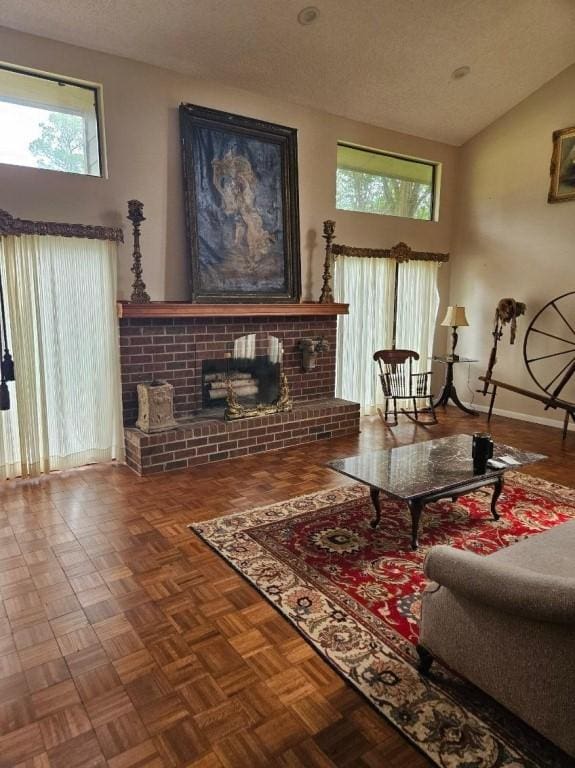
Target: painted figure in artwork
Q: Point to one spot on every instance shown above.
(567, 168)
(239, 215)
(235, 180)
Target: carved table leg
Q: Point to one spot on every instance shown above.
(459, 404)
(449, 392)
(374, 493)
(425, 659)
(497, 488)
(416, 508)
(443, 397)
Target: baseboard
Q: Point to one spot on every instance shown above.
(557, 424)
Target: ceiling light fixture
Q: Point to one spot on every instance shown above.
(308, 15)
(460, 72)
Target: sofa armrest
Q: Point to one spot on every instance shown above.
(509, 588)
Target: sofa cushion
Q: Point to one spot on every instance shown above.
(551, 553)
(503, 585)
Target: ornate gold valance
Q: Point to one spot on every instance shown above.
(400, 252)
(11, 226)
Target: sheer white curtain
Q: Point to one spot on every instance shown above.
(66, 400)
(367, 286)
(417, 305)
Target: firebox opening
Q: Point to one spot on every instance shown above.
(255, 380)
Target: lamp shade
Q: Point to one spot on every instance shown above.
(455, 317)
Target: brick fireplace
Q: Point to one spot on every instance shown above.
(172, 341)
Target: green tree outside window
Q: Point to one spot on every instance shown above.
(371, 193)
(61, 145)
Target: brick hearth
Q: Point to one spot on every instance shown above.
(173, 348)
(203, 441)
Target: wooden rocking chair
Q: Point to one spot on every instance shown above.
(400, 383)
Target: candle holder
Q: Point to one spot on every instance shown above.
(326, 296)
(136, 216)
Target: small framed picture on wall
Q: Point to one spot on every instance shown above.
(562, 170)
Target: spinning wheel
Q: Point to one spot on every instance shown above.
(549, 355)
(549, 348)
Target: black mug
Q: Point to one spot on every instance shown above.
(481, 451)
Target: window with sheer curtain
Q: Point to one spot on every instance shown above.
(368, 286)
(65, 403)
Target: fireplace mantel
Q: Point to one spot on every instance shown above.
(183, 309)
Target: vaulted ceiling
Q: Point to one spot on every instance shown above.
(385, 62)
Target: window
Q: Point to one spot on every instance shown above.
(373, 288)
(66, 404)
(49, 123)
(375, 182)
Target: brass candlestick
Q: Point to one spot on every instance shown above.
(136, 216)
(326, 296)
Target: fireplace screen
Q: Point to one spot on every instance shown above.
(253, 369)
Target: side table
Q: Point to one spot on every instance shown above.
(449, 392)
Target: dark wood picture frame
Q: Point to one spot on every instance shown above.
(242, 207)
(562, 168)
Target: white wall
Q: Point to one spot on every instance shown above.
(508, 240)
(142, 137)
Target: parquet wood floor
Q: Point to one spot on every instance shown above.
(126, 642)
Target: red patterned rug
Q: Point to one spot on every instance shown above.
(354, 593)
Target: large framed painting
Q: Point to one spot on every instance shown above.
(562, 185)
(241, 199)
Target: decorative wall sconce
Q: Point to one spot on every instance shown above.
(309, 348)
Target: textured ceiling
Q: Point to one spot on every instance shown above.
(386, 62)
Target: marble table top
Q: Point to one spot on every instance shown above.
(419, 469)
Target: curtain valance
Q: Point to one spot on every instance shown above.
(400, 252)
(12, 226)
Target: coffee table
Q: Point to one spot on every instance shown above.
(423, 472)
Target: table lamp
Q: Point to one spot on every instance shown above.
(454, 317)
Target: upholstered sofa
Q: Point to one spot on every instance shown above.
(506, 622)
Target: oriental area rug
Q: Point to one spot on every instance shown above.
(354, 594)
